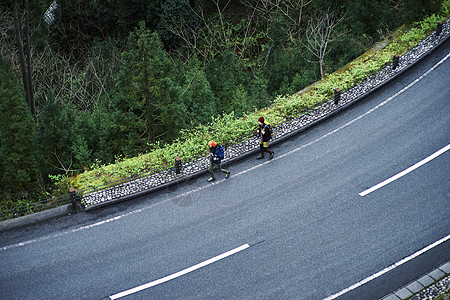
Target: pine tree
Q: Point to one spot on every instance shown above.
(19, 163)
(146, 101)
(197, 94)
(225, 75)
(55, 135)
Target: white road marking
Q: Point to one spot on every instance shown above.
(180, 273)
(391, 267)
(403, 173)
(237, 174)
(72, 231)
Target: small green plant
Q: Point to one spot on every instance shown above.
(56, 179)
(227, 128)
(444, 296)
(60, 183)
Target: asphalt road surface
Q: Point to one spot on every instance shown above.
(296, 227)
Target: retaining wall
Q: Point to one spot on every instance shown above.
(249, 144)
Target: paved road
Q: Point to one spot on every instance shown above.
(305, 231)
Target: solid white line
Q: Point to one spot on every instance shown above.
(391, 267)
(357, 118)
(403, 173)
(180, 273)
(235, 175)
(71, 231)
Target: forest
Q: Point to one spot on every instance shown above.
(86, 83)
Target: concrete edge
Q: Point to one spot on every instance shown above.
(35, 217)
(424, 282)
(65, 209)
(274, 142)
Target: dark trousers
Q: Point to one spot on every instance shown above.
(213, 166)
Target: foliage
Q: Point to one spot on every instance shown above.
(197, 95)
(445, 10)
(146, 98)
(225, 75)
(138, 82)
(78, 23)
(227, 127)
(444, 296)
(19, 165)
(369, 17)
(173, 13)
(55, 135)
(420, 9)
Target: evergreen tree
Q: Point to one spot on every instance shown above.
(415, 10)
(371, 17)
(225, 74)
(278, 69)
(175, 14)
(197, 94)
(146, 100)
(78, 23)
(240, 101)
(55, 135)
(84, 140)
(19, 163)
(106, 131)
(258, 90)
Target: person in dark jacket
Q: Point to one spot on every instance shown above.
(215, 161)
(264, 138)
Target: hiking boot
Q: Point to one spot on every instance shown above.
(227, 175)
(260, 156)
(211, 179)
(271, 155)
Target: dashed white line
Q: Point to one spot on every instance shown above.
(180, 273)
(403, 173)
(72, 231)
(240, 173)
(391, 267)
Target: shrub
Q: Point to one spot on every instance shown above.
(227, 127)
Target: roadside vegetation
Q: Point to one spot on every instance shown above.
(227, 127)
(117, 91)
(444, 296)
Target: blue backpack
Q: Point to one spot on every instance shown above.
(220, 152)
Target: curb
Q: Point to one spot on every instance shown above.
(417, 286)
(65, 209)
(275, 141)
(36, 217)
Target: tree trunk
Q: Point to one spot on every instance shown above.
(28, 54)
(20, 47)
(26, 74)
(321, 67)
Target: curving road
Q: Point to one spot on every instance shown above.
(299, 226)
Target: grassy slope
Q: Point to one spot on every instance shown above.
(228, 128)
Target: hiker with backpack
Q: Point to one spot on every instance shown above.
(265, 134)
(217, 153)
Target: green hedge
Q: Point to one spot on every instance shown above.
(193, 141)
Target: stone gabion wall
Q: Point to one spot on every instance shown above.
(250, 142)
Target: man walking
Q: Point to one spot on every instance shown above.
(265, 134)
(215, 160)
